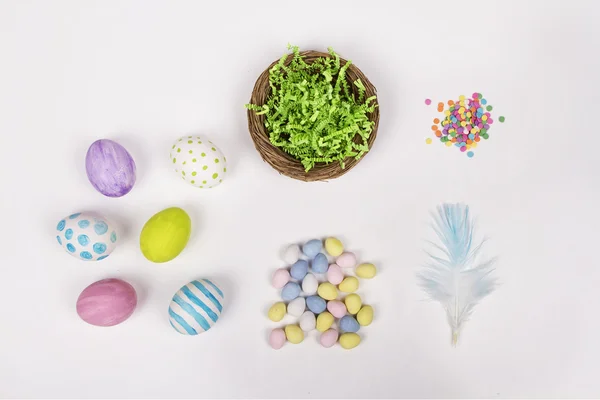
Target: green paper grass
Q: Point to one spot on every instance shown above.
(311, 112)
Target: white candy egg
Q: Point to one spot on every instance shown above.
(198, 161)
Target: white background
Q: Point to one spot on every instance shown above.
(146, 72)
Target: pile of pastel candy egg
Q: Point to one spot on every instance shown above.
(318, 304)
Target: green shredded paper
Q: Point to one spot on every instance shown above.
(312, 114)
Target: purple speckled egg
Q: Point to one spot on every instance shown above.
(107, 302)
(110, 168)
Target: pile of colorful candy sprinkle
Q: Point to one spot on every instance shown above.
(312, 293)
(466, 121)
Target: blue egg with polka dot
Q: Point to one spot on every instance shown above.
(87, 236)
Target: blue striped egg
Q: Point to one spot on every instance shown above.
(196, 307)
(87, 236)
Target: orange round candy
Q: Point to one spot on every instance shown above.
(438, 133)
(436, 121)
(434, 128)
(477, 139)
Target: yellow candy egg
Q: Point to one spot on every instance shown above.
(349, 340)
(365, 316)
(349, 285)
(334, 247)
(367, 270)
(165, 235)
(324, 321)
(294, 334)
(277, 311)
(327, 291)
(353, 303)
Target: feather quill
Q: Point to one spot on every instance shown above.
(456, 276)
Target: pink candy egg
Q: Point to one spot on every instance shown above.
(329, 337)
(277, 338)
(346, 260)
(280, 278)
(335, 275)
(107, 302)
(336, 308)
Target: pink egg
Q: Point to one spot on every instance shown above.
(277, 338)
(329, 337)
(280, 278)
(335, 274)
(346, 260)
(336, 308)
(107, 302)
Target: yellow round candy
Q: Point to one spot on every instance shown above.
(277, 311)
(349, 340)
(448, 144)
(334, 247)
(367, 270)
(324, 321)
(474, 144)
(461, 97)
(327, 291)
(349, 285)
(365, 316)
(294, 334)
(353, 303)
(428, 140)
(165, 235)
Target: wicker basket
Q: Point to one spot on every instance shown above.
(281, 161)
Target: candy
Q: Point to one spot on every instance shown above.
(501, 119)
(290, 291)
(366, 271)
(315, 304)
(349, 340)
(310, 284)
(333, 247)
(280, 278)
(348, 324)
(277, 338)
(349, 285)
(291, 254)
(346, 260)
(324, 321)
(328, 338)
(307, 321)
(428, 101)
(336, 308)
(277, 312)
(327, 291)
(299, 269)
(294, 334)
(335, 274)
(365, 316)
(353, 303)
(296, 307)
(312, 248)
(320, 264)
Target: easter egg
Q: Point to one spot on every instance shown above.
(353, 303)
(310, 284)
(277, 312)
(346, 260)
(365, 316)
(110, 168)
(196, 307)
(87, 236)
(366, 271)
(333, 247)
(324, 321)
(320, 264)
(327, 291)
(290, 291)
(280, 278)
(296, 307)
(291, 254)
(349, 285)
(329, 338)
(307, 321)
(107, 302)
(316, 304)
(277, 338)
(198, 161)
(349, 324)
(299, 269)
(349, 340)
(165, 235)
(335, 274)
(294, 334)
(312, 248)
(336, 308)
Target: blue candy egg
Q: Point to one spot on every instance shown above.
(349, 324)
(299, 269)
(312, 248)
(320, 264)
(290, 291)
(316, 304)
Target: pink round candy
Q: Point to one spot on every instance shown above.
(277, 338)
(336, 308)
(346, 260)
(107, 302)
(280, 278)
(329, 337)
(428, 101)
(335, 275)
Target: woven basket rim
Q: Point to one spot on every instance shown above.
(283, 162)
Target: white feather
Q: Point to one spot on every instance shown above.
(456, 277)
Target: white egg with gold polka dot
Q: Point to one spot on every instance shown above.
(198, 161)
